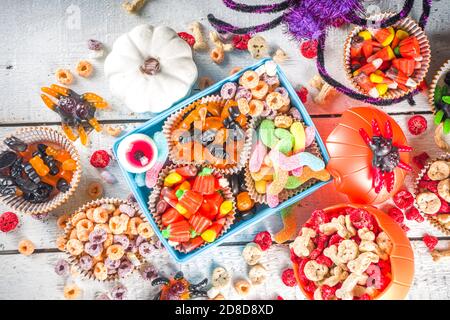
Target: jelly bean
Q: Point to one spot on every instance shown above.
(286, 141)
(261, 186)
(298, 132)
(139, 178)
(257, 156)
(310, 134)
(172, 179)
(272, 200)
(225, 207)
(187, 171)
(279, 182)
(267, 133)
(244, 202)
(69, 165)
(235, 184)
(161, 206)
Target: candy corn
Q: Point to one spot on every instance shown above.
(365, 34)
(408, 48)
(193, 243)
(369, 67)
(189, 202)
(178, 231)
(170, 216)
(364, 82)
(172, 178)
(384, 36)
(400, 77)
(212, 232)
(379, 77)
(399, 35)
(199, 223)
(385, 54)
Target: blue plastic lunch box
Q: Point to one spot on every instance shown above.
(155, 124)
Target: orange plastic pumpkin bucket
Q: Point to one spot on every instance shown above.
(351, 159)
(401, 257)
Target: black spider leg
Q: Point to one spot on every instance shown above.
(157, 296)
(264, 8)
(198, 286)
(222, 26)
(347, 91)
(407, 6)
(159, 281)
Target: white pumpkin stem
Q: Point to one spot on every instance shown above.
(151, 66)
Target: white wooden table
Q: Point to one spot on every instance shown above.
(37, 37)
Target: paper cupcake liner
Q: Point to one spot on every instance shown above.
(155, 195)
(175, 119)
(410, 26)
(74, 260)
(437, 79)
(285, 194)
(430, 218)
(46, 135)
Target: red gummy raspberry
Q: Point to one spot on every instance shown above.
(240, 42)
(309, 286)
(187, 37)
(279, 297)
(288, 278)
(420, 160)
(445, 207)
(318, 217)
(302, 94)
(385, 266)
(429, 185)
(322, 259)
(396, 214)
(294, 258)
(384, 282)
(100, 159)
(360, 218)
(403, 199)
(365, 296)
(430, 241)
(417, 124)
(8, 221)
(308, 49)
(413, 214)
(263, 240)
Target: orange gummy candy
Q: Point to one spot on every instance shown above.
(289, 225)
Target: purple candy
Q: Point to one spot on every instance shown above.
(161, 206)
(86, 263)
(112, 264)
(243, 93)
(266, 110)
(228, 90)
(98, 236)
(62, 267)
(125, 268)
(148, 272)
(295, 113)
(282, 91)
(270, 80)
(119, 292)
(131, 198)
(145, 249)
(128, 210)
(108, 177)
(122, 240)
(93, 249)
(94, 45)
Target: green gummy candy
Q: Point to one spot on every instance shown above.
(292, 183)
(446, 99)
(286, 142)
(438, 117)
(447, 126)
(267, 133)
(437, 95)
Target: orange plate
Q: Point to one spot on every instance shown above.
(402, 256)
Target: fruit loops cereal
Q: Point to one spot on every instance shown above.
(26, 247)
(384, 59)
(342, 255)
(433, 194)
(71, 291)
(193, 207)
(37, 172)
(108, 240)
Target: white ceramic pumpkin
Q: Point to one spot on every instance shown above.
(150, 68)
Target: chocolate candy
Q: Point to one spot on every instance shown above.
(62, 185)
(7, 159)
(16, 144)
(7, 186)
(31, 173)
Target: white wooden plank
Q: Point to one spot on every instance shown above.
(36, 47)
(17, 273)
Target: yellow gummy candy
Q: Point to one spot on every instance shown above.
(365, 34)
(172, 178)
(261, 186)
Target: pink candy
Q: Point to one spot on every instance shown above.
(296, 161)
(257, 157)
(272, 200)
(310, 134)
(151, 176)
(297, 172)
